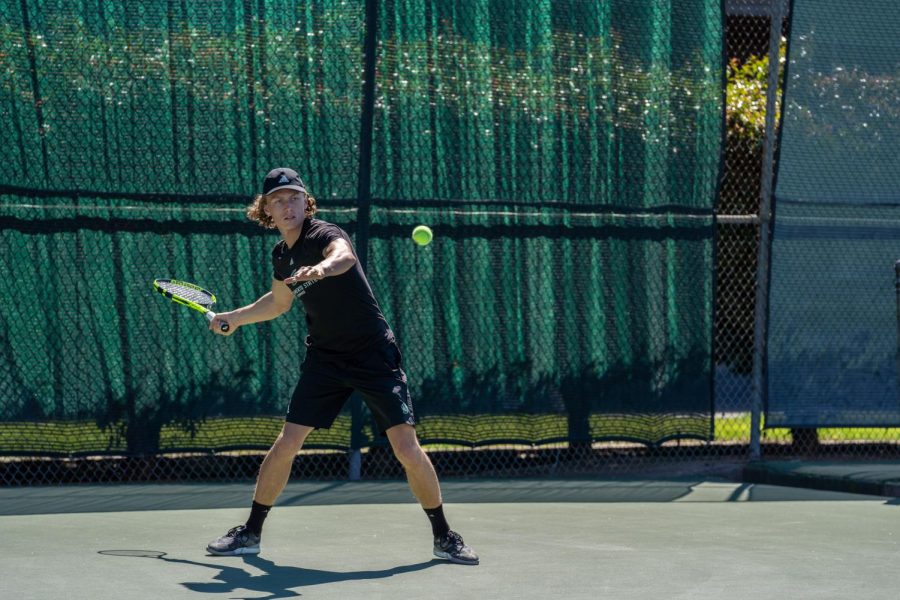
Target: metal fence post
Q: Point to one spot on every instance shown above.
(760, 327)
(897, 284)
(364, 204)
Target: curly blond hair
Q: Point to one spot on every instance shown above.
(256, 210)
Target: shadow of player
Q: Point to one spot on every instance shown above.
(276, 580)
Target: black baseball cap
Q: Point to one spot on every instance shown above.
(282, 178)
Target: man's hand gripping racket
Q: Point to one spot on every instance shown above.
(192, 296)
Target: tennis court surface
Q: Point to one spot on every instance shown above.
(623, 539)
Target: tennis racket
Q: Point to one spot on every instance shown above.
(190, 295)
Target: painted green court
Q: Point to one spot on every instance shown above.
(578, 539)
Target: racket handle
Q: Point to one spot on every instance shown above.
(223, 326)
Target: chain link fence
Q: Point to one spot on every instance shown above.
(264, 115)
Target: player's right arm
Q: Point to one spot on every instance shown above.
(269, 306)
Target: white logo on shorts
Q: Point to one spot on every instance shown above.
(397, 389)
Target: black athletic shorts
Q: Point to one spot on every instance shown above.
(326, 383)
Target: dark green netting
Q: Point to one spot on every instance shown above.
(544, 312)
(614, 103)
(179, 97)
(565, 154)
(88, 338)
(832, 340)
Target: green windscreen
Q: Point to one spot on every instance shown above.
(565, 154)
(833, 332)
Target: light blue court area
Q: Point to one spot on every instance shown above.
(566, 539)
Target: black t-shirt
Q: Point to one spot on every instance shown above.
(342, 314)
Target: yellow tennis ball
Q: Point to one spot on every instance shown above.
(422, 235)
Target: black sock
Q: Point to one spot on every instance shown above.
(258, 514)
(438, 523)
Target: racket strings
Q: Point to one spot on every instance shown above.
(190, 294)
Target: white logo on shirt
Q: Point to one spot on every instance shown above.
(300, 288)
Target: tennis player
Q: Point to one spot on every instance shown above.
(349, 347)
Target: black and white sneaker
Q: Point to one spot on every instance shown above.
(452, 547)
(238, 540)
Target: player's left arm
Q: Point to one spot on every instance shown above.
(339, 258)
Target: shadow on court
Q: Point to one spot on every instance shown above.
(276, 580)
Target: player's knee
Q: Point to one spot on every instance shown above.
(289, 441)
(283, 448)
(408, 452)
